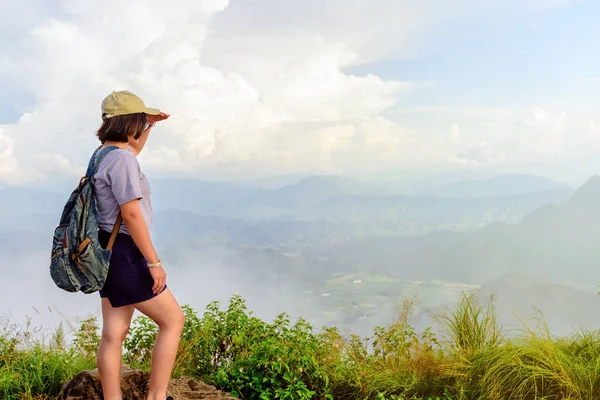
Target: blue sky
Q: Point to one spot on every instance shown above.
(520, 61)
(280, 87)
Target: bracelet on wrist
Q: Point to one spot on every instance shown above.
(155, 265)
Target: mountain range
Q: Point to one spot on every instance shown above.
(321, 230)
(502, 185)
(340, 208)
(557, 241)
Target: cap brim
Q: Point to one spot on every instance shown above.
(152, 111)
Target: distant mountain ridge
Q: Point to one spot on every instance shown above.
(558, 241)
(502, 185)
(335, 202)
(310, 191)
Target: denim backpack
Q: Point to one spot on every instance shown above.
(78, 262)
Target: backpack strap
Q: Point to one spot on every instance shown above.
(113, 235)
(96, 160)
(93, 165)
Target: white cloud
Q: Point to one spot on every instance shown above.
(499, 137)
(8, 162)
(253, 87)
(9, 165)
(478, 155)
(232, 111)
(543, 132)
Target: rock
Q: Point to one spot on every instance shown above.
(86, 386)
(187, 388)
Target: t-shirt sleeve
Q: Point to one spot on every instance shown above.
(124, 179)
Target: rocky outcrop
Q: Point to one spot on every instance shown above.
(86, 386)
(187, 388)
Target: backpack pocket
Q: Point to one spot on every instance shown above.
(59, 240)
(93, 263)
(60, 269)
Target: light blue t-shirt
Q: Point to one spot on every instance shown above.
(120, 180)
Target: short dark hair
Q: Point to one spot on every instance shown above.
(120, 127)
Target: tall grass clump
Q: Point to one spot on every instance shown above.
(34, 368)
(395, 361)
(528, 366)
(534, 365)
(470, 330)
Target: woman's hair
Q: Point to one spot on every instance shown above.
(119, 128)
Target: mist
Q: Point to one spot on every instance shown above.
(313, 249)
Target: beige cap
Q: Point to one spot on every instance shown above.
(124, 102)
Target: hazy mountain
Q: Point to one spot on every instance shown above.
(272, 182)
(322, 234)
(415, 184)
(433, 213)
(336, 199)
(348, 218)
(316, 209)
(308, 192)
(197, 196)
(177, 227)
(559, 242)
(503, 185)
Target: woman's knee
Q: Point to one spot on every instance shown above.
(114, 335)
(181, 319)
(175, 321)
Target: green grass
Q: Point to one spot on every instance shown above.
(34, 368)
(231, 348)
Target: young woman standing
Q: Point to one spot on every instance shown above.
(136, 278)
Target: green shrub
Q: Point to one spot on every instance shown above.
(254, 359)
(242, 354)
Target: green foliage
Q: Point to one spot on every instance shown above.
(254, 359)
(535, 366)
(32, 369)
(471, 328)
(243, 354)
(86, 339)
(139, 342)
(395, 362)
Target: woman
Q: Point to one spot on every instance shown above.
(136, 279)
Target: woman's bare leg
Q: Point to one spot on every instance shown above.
(115, 325)
(164, 310)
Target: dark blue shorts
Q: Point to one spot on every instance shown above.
(129, 280)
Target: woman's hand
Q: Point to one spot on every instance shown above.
(152, 119)
(160, 279)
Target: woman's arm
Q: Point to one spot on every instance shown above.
(134, 220)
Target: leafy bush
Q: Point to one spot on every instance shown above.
(253, 359)
(243, 354)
